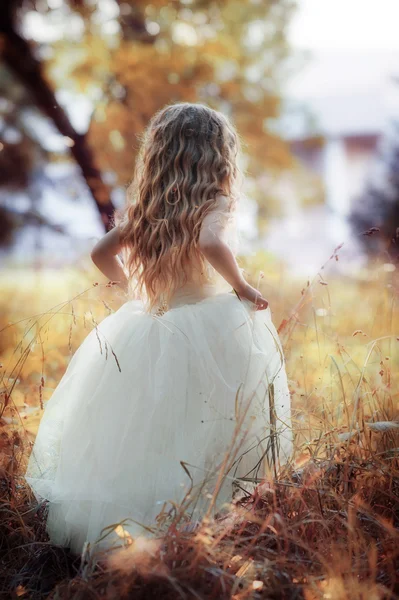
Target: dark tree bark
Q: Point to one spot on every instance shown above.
(18, 57)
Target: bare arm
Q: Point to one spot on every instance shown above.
(105, 257)
(219, 255)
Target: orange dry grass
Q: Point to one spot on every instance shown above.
(327, 527)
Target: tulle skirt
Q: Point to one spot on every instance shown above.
(159, 412)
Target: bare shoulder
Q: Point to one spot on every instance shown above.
(110, 243)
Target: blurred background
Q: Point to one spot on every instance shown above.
(312, 86)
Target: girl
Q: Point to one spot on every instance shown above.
(177, 396)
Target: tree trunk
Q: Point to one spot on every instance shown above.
(18, 56)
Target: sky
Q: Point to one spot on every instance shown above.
(354, 45)
(346, 25)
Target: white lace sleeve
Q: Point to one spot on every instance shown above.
(220, 223)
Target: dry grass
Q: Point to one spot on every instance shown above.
(326, 528)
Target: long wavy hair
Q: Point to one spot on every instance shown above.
(187, 159)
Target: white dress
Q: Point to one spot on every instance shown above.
(156, 410)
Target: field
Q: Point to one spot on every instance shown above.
(325, 528)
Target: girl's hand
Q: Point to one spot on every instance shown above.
(253, 295)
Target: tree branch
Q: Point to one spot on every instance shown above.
(19, 58)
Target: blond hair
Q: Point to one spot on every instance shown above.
(187, 159)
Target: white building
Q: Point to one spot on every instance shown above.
(350, 127)
(339, 108)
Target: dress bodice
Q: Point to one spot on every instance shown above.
(191, 293)
(197, 287)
